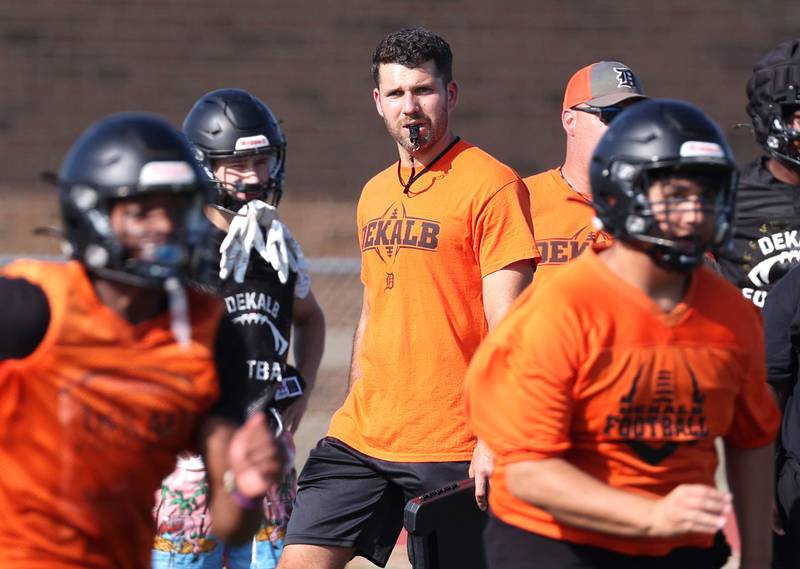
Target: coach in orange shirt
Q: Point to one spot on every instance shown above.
(603, 427)
(561, 204)
(446, 246)
(110, 366)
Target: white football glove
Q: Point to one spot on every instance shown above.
(244, 233)
(303, 282)
(279, 249)
(285, 254)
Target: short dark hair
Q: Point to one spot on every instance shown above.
(412, 47)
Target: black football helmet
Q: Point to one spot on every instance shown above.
(232, 122)
(772, 92)
(119, 157)
(651, 140)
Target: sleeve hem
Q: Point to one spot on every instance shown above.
(752, 443)
(533, 255)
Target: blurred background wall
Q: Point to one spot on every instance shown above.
(65, 63)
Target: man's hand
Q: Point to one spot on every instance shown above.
(481, 469)
(294, 412)
(254, 456)
(690, 508)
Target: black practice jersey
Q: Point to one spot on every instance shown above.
(782, 344)
(261, 309)
(766, 238)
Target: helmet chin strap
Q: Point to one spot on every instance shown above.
(259, 191)
(666, 253)
(178, 311)
(674, 261)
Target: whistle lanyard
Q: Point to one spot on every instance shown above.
(416, 176)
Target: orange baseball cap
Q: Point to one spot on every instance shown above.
(601, 84)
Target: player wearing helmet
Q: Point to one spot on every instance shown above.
(603, 428)
(109, 366)
(232, 123)
(267, 295)
(238, 138)
(768, 217)
(766, 243)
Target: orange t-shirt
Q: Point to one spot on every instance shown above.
(423, 255)
(621, 390)
(563, 221)
(91, 422)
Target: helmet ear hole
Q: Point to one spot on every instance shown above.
(636, 224)
(96, 256)
(773, 143)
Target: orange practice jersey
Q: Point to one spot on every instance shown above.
(423, 256)
(91, 422)
(563, 221)
(604, 379)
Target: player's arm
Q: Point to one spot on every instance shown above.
(750, 474)
(242, 461)
(780, 318)
(571, 496)
(749, 453)
(500, 289)
(358, 339)
(242, 464)
(504, 246)
(24, 319)
(308, 345)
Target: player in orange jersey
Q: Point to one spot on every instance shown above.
(561, 203)
(602, 407)
(109, 366)
(446, 246)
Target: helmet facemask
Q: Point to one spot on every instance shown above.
(650, 224)
(782, 137)
(233, 195)
(93, 240)
(180, 254)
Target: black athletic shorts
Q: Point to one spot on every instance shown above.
(509, 547)
(348, 499)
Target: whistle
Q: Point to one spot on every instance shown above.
(413, 135)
